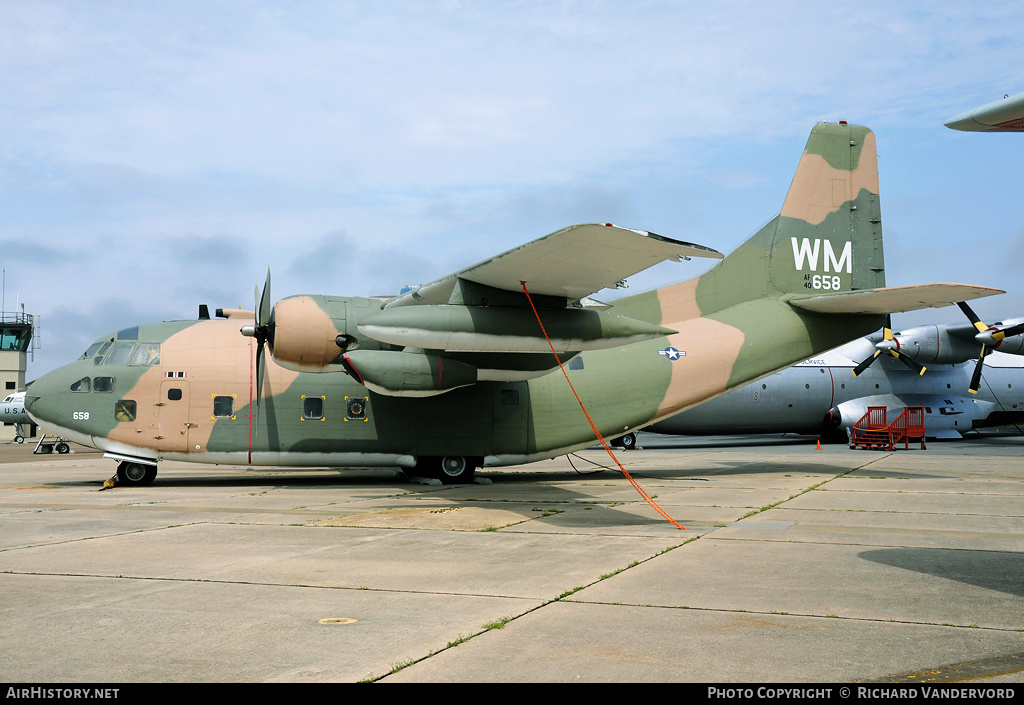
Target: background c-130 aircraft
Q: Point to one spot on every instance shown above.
(12, 411)
(821, 396)
(457, 374)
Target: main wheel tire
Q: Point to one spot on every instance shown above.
(62, 448)
(456, 470)
(135, 474)
(628, 441)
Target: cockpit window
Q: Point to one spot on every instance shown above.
(103, 384)
(98, 360)
(120, 353)
(91, 351)
(128, 333)
(82, 385)
(146, 354)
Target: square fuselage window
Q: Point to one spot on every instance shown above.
(313, 408)
(224, 406)
(125, 410)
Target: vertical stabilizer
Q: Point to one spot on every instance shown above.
(828, 236)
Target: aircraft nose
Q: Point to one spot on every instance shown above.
(41, 401)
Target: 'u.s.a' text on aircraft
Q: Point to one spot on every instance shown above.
(961, 388)
(456, 374)
(12, 411)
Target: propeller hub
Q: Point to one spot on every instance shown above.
(990, 337)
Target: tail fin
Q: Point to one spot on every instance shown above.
(822, 253)
(827, 238)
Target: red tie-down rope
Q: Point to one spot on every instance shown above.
(593, 426)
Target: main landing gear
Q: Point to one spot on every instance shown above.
(449, 469)
(132, 474)
(627, 442)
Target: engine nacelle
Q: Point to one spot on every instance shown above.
(310, 333)
(934, 345)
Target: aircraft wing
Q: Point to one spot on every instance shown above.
(1005, 115)
(571, 264)
(893, 299)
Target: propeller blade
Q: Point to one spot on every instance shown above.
(886, 336)
(866, 363)
(263, 312)
(976, 377)
(261, 368)
(1013, 330)
(906, 360)
(972, 316)
(993, 336)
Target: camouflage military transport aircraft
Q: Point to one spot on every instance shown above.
(456, 374)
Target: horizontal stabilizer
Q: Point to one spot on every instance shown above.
(892, 299)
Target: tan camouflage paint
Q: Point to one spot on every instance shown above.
(212, 347)
(304, 334)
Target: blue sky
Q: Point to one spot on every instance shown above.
(155, 156)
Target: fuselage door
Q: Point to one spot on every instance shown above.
(172, 416)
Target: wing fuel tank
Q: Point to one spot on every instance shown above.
(500, 329)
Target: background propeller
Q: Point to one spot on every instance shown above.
(989, 338)
(889, 345)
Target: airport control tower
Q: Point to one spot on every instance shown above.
(15, 345)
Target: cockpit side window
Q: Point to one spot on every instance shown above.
(145, 355)
(103, 384)
(91, 351)
(101, 352)
(82, 385)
